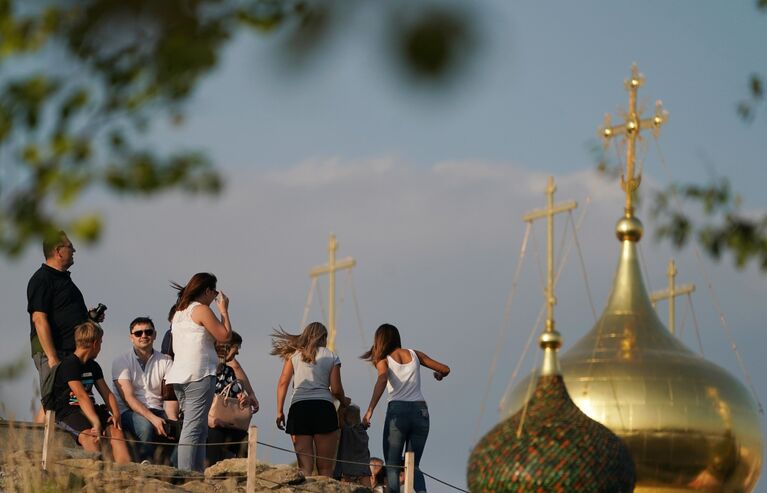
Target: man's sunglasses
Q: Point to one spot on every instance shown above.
(139, 333)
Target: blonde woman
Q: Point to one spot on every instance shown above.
(316, 373)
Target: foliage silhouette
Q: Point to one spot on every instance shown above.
(83, 82)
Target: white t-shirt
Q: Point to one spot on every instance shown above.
(147, 383)
(404, 380)
(311, 381)
(195, 349)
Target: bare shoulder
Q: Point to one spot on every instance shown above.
(201, 312)
(401, 356)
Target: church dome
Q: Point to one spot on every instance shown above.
(690, 425)
(550, 446)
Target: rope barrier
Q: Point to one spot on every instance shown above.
(306, 454)
(440, 481)
(167, 444)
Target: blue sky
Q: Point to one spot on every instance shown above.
(541, 81)
(426, 189)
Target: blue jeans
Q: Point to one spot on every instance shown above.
(142, 429)
(194, 399)
(406, 427)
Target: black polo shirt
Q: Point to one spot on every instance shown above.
(52, 292)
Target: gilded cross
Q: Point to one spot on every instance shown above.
(330, 269)
(549, 212)
(671, 293)
(630, 129)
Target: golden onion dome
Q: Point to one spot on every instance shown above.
(689, 424)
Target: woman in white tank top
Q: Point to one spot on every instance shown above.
(195, 331)
(407, 416)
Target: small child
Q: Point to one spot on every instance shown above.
(353, 446)
(75, 407)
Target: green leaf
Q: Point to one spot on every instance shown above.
(756, 87)
(117, 140)
(30, 154)
(61, 144)
(6, 124)
(262, 15)
(76, 101)
(88, 227)
(81, 150)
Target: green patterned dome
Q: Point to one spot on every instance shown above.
(560, 449)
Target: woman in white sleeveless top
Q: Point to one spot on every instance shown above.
(195, 331)
(316, 374)
(407, 416)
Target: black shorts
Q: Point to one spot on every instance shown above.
(78, 422)
(313, 417)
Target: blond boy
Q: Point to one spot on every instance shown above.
(75, 406)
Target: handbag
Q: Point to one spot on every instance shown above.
(226, 412)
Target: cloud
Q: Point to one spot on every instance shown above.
(315, 173)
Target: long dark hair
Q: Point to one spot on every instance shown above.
(193, 289)
(385, 342)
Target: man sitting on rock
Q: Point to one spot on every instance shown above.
(138, 376)
(76, 409)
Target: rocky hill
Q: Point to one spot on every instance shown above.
(21, 473)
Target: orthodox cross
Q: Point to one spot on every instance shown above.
(671, 294)
(630, 129)
(330, 269)
(549, 212)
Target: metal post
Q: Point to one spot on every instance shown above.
(252, 442)
(50, 426)
(409, 471)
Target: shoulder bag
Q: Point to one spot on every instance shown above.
(226, 411)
